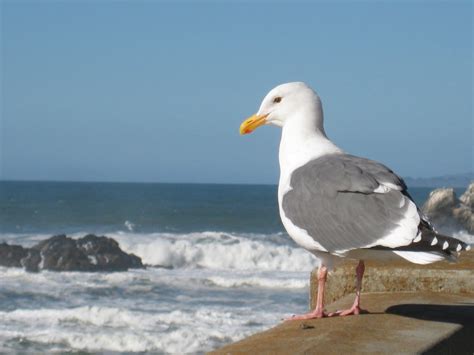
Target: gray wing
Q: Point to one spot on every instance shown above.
(333, 198)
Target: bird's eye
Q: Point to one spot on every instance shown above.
(277, 99)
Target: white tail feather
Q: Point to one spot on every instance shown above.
(420, 257)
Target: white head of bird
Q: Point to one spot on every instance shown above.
(288, 105)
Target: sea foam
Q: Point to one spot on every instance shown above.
(113, 329)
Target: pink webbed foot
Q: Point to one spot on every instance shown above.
(311, 315)
(354, 310)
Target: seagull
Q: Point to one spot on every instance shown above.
(337, 205)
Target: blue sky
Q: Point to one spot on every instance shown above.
(155, 91)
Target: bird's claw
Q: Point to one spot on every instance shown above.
(312, 315)
(354, 310)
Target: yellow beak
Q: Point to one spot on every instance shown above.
(251, 123)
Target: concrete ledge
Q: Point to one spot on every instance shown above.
(424, 322)
(399, 276)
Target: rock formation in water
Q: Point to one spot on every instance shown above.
(61, 253)
(446, 211)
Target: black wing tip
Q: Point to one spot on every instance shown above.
(429, 240)
(433, 242)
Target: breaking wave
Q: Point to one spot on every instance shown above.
(214, 250)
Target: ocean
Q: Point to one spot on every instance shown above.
(220, 267)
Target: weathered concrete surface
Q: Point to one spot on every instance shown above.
(399, 323)
(399, 276)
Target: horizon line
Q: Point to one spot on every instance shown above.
(137, 182)
(469, 173)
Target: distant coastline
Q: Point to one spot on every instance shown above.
(454, 180)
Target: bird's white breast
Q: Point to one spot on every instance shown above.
(295, 152)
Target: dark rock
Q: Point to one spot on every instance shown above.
(32, 261)
(17, 256)
(11, 255)
(106, 254)
(61, 253)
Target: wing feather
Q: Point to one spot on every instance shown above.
(335, 199)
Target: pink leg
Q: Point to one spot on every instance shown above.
(318, 311)
(355, 309)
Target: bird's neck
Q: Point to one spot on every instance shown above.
(303, 139)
